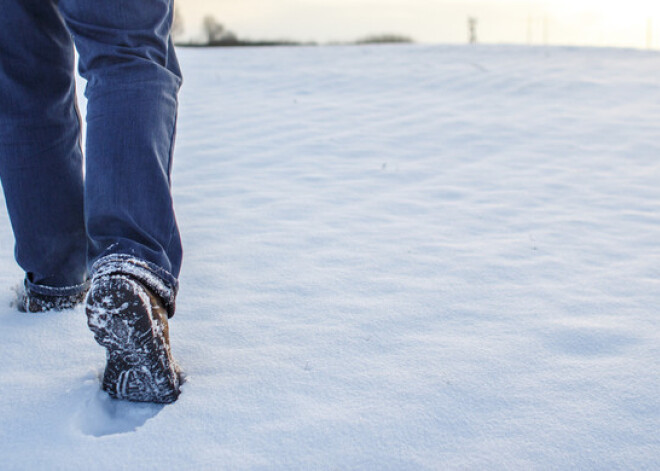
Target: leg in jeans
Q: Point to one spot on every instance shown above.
(133, 78)
(132, 240)
(40, 155)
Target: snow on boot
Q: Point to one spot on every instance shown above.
(28, 301)
(131, 323)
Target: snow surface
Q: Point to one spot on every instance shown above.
(397, 257)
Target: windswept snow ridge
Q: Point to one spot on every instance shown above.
(410, 257)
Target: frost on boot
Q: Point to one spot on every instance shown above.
(131, 323)
(36, 302)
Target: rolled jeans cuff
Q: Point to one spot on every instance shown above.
(157, 279)
(55, 291)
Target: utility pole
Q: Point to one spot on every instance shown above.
(472, 27)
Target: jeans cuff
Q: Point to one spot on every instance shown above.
(54, 290)
(156, 278)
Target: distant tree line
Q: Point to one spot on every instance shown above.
(216, 35)
(384, 39)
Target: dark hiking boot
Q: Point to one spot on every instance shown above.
(36, 302)
(131, 323)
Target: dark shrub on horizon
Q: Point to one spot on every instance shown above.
(384, 39)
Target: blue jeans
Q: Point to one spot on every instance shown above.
(118, 211)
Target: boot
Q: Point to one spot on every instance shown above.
(131, 323)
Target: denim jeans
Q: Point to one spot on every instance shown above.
(68, 221)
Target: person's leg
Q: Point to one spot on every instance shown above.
(133, 77)
(127, 57)
(40, 155)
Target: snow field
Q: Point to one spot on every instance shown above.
(399, 257)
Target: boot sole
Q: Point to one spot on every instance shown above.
(129, 323)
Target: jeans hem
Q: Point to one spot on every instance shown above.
(161, 282)
(54, 290)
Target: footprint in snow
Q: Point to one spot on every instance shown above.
(100, 415)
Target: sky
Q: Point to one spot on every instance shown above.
(622, 23)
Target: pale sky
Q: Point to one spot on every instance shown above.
(627, 23)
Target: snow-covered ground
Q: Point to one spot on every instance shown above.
(397, 257)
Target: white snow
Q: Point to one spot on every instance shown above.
(397, 257)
